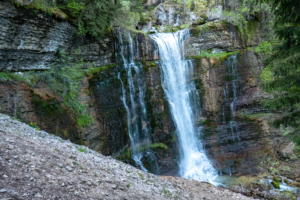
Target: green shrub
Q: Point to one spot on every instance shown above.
(84, 120)
(82, 150)
(5, 77)
(64, 78)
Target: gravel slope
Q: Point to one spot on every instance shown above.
(36, 165)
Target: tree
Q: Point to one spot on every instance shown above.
(282, 75)
(91, 16)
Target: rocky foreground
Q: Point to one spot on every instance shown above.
(37, 165)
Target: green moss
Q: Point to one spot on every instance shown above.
(145, 66)
(199, 21)
(220, 56)
(174, 138)
(29, 78)
(127, 154)
(184, 26)
(259, 115)
(206, 123)
(159, 145)
(276, 184)
(82, 150)
(175, 29)
(275, 179)
(120, 158)
(95, 70)
(42, 6)
(153, 146)
(84, 120)
(195, 31)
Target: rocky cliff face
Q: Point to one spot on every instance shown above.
(236, 140)
(29, 40)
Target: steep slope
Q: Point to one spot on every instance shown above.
(36, 165)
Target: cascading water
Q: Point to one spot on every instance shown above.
(136, 110)
(194, 163)
(231, 93)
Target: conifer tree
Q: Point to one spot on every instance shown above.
(282, 75)
(91, 16)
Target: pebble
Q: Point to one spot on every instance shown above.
(3, 190)
(38, 195)
(69, 168)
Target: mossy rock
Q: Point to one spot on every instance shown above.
(184, 26)
(275, 179)
(195, 31)
(276, 184)
(199, 21)
(175, 29)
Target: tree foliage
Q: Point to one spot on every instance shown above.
(91, 16)
(129, 14)
(245, 13)
(284, 66)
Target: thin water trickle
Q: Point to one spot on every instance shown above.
(175, 70)
(231, 93)
(135, 107)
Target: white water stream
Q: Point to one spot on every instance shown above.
(134, 104)
(194, 163)
(138, 131)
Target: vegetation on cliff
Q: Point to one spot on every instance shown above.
(64, 78)
(90, 16)
(246, 13)
(281, 76)
(93, 17)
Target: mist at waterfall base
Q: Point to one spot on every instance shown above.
(180, 93)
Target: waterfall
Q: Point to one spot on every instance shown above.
(231, 93)
(175, 70)
(135, 107)
(231, 65)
